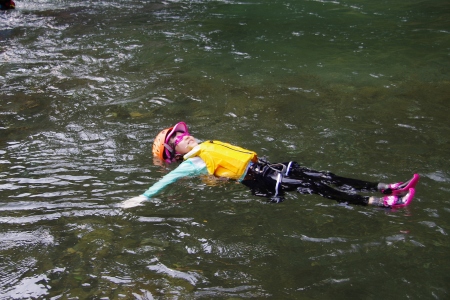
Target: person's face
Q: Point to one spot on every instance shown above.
(183, 143)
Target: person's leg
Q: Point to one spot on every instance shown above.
(267, 181)
(274, 179)
(308, 186)
(302, 173)
(343, 183)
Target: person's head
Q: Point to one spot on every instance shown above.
(172, 143)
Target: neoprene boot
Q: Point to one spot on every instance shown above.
(393, 201)
(399, 188)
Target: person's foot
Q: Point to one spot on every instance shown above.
(400, 188)
(398, 201)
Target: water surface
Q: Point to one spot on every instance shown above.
(354, 87)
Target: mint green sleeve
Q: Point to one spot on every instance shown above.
(189, 167)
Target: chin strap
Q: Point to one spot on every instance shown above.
(171, 151)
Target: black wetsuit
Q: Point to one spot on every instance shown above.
(272, 180)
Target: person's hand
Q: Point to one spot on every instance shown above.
(276, 199)
(135, 201)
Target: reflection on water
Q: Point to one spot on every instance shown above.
(360, 89)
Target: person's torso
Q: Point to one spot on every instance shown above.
(223, 159)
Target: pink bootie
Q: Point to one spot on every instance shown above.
(396, 201)
(401, 188)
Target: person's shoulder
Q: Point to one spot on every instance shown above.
(195, 161)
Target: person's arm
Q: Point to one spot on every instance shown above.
(190, 167)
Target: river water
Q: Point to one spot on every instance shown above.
(359, 88)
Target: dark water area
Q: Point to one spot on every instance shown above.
(353, 87)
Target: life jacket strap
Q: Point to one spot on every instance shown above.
(288, 168)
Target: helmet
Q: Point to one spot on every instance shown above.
(161, 149)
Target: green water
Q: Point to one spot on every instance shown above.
(354, 87)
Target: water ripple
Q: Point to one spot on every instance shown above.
(190, 276)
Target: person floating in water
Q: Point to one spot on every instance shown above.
(7, 4)
(265, 179)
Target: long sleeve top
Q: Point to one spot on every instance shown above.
(191, 167)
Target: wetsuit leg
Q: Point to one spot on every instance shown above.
(268, 183)
(303, 173)
(308, 186)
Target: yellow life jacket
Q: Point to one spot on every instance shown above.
(223, 159)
